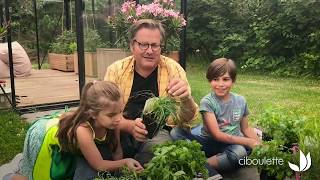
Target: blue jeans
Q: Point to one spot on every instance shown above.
(228, 155)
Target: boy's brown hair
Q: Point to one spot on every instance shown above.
(219, 67)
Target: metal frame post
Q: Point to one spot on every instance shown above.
(13, 91)
(79, 4)
(183, 35)
(37, 31)
(67, 14)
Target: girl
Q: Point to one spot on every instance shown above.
(81, 143)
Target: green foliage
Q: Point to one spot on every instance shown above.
(309, 142)
(271, 149)
(92, 41)
(281, 124)
(179, 160)
(284, 129)
(276, 36)
(176, 160)
(160, 108)
(12, 133)
(125, 174)
(3, 30)
(65, 43)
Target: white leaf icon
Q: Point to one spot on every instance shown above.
(294, 167)
(303, 161)
(308, 162)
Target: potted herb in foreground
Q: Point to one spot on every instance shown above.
(280, 133)
(156, 111)
(177, 160)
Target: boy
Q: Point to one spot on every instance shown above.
(226, 136)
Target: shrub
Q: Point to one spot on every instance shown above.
(65, 43)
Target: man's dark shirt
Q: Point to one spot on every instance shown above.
(142, 89)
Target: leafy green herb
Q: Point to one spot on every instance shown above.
(157, 110)
(284, 128)
(176, 160)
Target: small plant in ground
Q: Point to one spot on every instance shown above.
(123, 174)
(180, 160)
(281, 130)
(156, 111)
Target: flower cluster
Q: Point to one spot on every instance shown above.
(163, 11)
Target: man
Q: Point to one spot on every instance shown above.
(142, 75)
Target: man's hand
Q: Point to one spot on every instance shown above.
(178, 88)
(139, 131)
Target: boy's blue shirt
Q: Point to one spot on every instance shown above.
(228, 114)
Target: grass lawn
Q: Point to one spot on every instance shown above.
(12, 133)
(299, 95)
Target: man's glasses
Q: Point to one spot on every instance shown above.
(145, 46)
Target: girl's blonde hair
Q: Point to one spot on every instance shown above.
(96, 96)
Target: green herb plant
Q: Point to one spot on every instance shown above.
(123, 174)
(160, 109)
(64, 44)
(282, 129)
(179, 160)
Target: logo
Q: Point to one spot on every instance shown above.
(305, 163)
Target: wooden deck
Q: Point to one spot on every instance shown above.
(46, 86)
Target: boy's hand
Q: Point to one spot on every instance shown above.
(133, 165)
(252, 143)
(139, 131)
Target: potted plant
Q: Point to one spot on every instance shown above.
(281, 131)
(160, 10)
(156, 112)
(61, 56)
(177, 160)
(92, 41)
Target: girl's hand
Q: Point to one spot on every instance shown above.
(133, 165)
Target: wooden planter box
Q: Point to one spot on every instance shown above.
(90, 61)
(61, 62)
(105, 57)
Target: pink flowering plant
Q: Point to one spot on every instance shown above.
(160, 10)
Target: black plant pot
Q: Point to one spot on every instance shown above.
(264, 176)
(152, 125)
